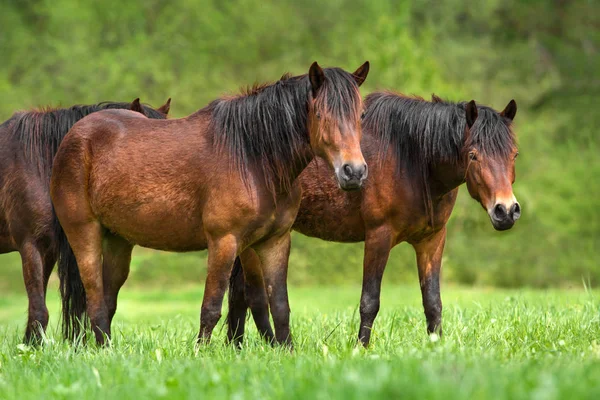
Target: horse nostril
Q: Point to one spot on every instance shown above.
(515, 211)
(500, 211)
(361, 171)
(347, 170)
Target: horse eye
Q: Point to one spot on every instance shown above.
(362, 115)
(516, 154)
(318, 115)
(472, 155)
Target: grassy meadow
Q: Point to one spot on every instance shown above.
(521, 307)
(497, 344)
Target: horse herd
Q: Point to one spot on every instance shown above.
(82, 186)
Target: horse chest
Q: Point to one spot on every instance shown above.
(417, 224)
(274, 221)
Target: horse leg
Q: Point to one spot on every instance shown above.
(238, 307)
(221, 255)
(256, 295)
(429, 261)
(274, 256)
(35, 284)
(49, 262)
(86, 241)
(116, 257)
(378, 244)
(247, 288)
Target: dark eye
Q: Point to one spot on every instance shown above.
(516, 154)
(318, 115)
(472, 156)
(362, 115)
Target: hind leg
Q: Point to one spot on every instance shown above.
(86, 242)
(115, 269)
(35, 284)
(49, 262)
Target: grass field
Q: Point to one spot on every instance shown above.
(498, 344)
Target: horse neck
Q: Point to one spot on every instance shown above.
(289, 167)
(297, 166)
(444, 177)
(439, 179)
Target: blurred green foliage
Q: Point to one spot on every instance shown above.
(544, 54)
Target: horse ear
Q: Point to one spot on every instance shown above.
(471, 113)
(436, 99)
(165, 108)
(510, 111)
(137, 107)
(317, 77)
(361, 73)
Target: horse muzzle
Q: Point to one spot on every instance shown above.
(351, 176)
(504, 218)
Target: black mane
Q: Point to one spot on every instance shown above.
(424, 133)
(267, 125)
(41, 131)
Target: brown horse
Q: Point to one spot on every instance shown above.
(28, 142)
(220, 179)
(419, 153)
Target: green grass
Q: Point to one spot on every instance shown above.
(498, 344)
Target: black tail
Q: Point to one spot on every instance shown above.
(72, 291)
(236, 317)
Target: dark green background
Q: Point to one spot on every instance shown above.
(544, 54)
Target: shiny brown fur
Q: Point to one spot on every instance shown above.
(28, 142)
(403, 201)
(221, 179)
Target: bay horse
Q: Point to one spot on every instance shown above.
(419, 153)
(28, 142)
(221, 179)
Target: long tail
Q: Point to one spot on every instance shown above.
(236, 317)
(72, 291)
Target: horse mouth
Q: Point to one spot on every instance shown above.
(503, 225)
(351, 186)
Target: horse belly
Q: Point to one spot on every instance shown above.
(159, 221)
(330, 221)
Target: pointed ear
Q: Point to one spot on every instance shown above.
(510, 111)
(436, 99)
(361, 73)
(317, 77)
(137, 107)
(165, 108)
(471, 113)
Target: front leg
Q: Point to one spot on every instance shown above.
(221, 255)
(256, 295)
(378, 244)
(274, 256)
(429, 261)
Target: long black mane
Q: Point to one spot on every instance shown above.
(425, 133)
(267, 126)
(41, 131)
